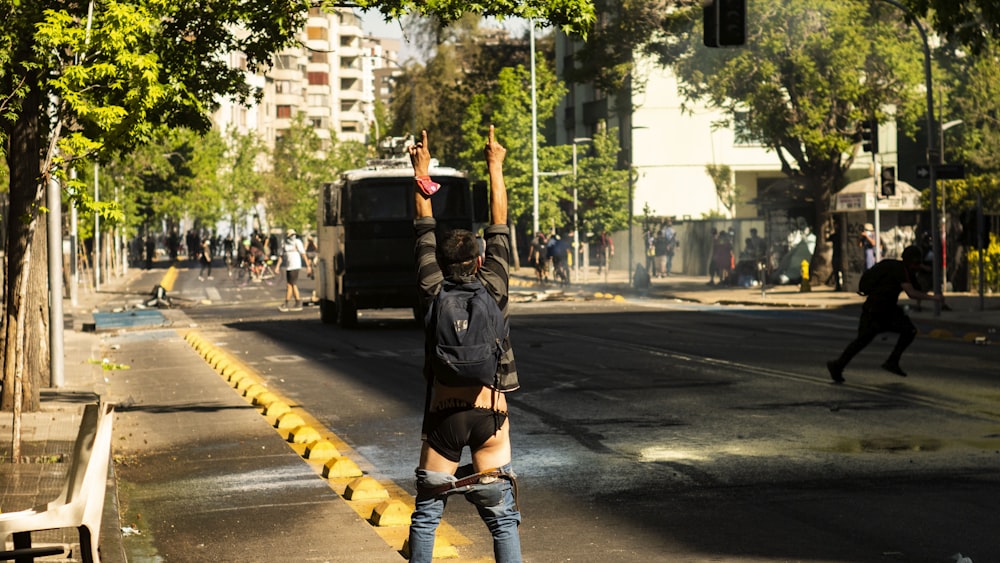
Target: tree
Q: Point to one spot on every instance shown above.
(243, 178)
(810, 74)
(109, 81)
(972, 23)
(602, 188)
(727, 191)
(463, 59)
(299, 167)
(572, 16)
(508, 107)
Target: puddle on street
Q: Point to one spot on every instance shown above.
(888, 444)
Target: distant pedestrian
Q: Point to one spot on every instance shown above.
(670, 235)
(205, 259)
(538, 257)
(881, 312)
(150, 250)
(605, 250)
(867, 243)
(293, 254)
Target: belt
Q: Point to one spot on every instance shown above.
(465, 482)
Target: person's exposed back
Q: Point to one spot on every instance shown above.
(465, 411)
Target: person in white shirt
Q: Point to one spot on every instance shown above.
(293, 254)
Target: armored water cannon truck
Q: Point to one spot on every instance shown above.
(365, 232)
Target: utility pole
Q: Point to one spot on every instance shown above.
(932, 157)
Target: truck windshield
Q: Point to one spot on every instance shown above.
(389, 199)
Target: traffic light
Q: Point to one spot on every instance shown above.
(888, 181)
(869, 136)
(725, 23)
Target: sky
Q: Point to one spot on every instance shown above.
(372, 22)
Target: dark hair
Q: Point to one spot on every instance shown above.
(911, 254)
(457, 253)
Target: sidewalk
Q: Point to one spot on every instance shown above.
(202, 464)
(202, 475)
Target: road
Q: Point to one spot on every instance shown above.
(669, 432)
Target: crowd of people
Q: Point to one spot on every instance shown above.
(551, 257)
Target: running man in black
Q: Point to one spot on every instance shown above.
(882, 313)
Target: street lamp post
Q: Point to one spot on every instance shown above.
(944, 217)
(931, 151)
(576, 226)
(534, 134)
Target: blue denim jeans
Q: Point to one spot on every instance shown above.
(502, 519)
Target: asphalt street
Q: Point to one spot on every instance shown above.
(665, 431)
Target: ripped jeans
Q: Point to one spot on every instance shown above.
(495, 503)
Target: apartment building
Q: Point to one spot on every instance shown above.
(323, 76)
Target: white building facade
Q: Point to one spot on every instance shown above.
(670, 148)
(322, 76)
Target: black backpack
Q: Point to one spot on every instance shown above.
(466, 332)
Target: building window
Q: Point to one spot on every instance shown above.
(317, 56)
(285, 61)
(742, 136)
(318, 122)
(318, 100)
(284, 112)
(318, 78)
(282, 86)
(348, 106)
(316, 33)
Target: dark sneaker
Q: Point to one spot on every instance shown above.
(894, 368)
(836, 371)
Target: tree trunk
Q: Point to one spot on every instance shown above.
(821, 264)
(37, 363)
(21, 368)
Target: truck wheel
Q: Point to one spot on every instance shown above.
(348, 313)
(327, 311)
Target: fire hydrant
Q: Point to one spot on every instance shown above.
(804, 286)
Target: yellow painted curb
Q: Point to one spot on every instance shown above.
(340, 467)
(974, 337)
(277, 409)
(321, 450)
(254, 390)
(365, 488)
(168, 279)
(304, 434)
(442, 549)
(265, 399)
(237, 376)
(244, 383)
(940, 333)
(288, 420)
(391, 513)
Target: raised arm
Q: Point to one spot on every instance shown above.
(495, 153)
(420, 158)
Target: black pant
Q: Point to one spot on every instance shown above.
(875, 322)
